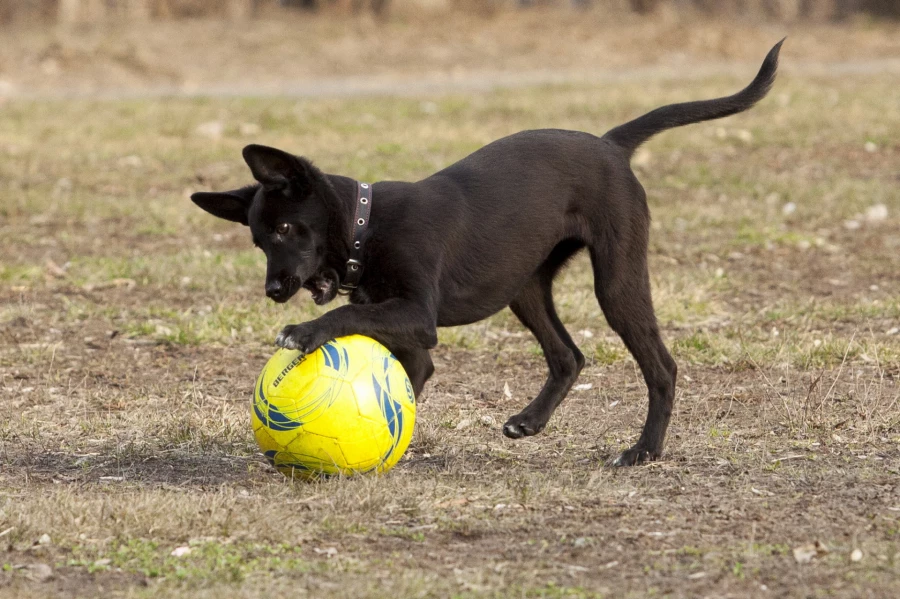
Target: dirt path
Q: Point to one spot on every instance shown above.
(450, 83)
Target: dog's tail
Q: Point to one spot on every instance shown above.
(633, 133)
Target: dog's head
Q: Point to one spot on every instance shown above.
(288, 212)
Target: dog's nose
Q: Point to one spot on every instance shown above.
(274, 289)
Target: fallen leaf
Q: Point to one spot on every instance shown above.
(126, 283)
(130, 160)
(55, 270)
(39, 572)
(642, 158)
(805, 553)
(506, 391)
(211, 130)
(744, 135)
(458, 502)
(876, 213)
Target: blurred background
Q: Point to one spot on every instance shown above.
(79, 10)
(240, 47)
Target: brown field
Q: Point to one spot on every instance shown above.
(132, 325)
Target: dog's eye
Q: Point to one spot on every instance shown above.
(282, 228)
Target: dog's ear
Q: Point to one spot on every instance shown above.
(273, 167)
(230, 205)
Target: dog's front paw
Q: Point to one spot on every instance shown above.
(306, 338)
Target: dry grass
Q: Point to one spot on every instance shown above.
(132, 326)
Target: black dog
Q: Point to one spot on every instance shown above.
(488, 232)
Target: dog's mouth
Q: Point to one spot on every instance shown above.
(322, 288)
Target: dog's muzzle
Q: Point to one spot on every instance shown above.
(280, 291)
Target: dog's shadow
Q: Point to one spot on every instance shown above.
(109, 465)
(215, 466)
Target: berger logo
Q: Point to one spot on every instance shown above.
(287, 369)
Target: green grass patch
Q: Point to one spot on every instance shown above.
(202, 561)
(606, 354)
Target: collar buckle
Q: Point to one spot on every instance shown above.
(353, 266)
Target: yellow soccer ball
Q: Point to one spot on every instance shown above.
(346, 408)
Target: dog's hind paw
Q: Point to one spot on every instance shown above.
(635, 456)
(518, 427)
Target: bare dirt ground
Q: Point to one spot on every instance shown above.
(132, 327)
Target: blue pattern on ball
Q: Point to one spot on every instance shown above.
(270, 415)
(390, 409)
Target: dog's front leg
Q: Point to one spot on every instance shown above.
(405, 322)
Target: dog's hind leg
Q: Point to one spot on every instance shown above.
(622, 285)
(534, 307)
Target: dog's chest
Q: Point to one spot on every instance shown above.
(360, 296)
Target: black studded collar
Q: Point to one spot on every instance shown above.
(360, 222)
